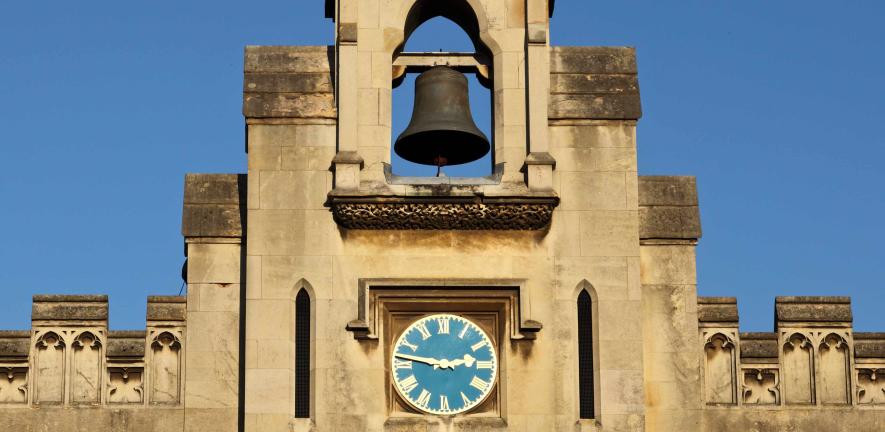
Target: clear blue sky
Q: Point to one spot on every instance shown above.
(776, 107)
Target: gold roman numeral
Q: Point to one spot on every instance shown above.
(423, 398)
(402, 364)
(410, 345)
(463, 331)
(465, 399)
(479, 345)
(443, 324)
(479, 384)
(409, 383)
(443, 403)
(483, 364)
(422, 327)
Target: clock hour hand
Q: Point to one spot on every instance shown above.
(468, 361)
(427, 360)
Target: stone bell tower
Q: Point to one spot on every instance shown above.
(354, 255)
(327, 294)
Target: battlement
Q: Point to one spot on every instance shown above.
(70, 358)
(812, 358)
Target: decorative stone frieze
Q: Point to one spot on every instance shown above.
(443, 214)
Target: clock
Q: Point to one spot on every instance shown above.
(444, 364)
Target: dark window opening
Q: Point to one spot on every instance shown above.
(585, 355)
(302, 354)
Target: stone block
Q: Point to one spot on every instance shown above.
(280, 275)
(719, 310)
(835, 310)
(269, 319)
(668, 191)
(294, 190)
(668, 264)
(294, 82)
(70, 308)
(759, 347)
(14, 344)
(264, 158)
(289, 59)
(600, 134)
(212, 205)
(594, 83)
(218, 297)
(594, 106)
(593, 191)
(869, 345)
(609, 233)
(290, 105)
(682, 223)
(299, 158)
(212, 188)
(593, 60)
(166, 308)
(125, 344)
(213, 263)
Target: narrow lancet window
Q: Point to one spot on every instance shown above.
(302, 354)
(585, 355)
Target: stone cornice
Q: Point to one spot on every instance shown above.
(443, 213)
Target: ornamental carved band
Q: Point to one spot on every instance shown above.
(443, 216)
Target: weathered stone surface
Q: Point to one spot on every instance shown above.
(669, 223)
(212, 188)
(669, 208)
(14, 343)
(813, 309)
(593, 83)
(718, 310)
(212, 205)
(70, 307)
(288, 83)
(759, 346)
(58, 419)
(594, 106)
(126, 343)
(593, 60)
(296, 105)
(166, 308)
(668, 191)
(289, 59)
(869, 345)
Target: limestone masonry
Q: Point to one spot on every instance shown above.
(302, 272)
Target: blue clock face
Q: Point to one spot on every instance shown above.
(444, 364)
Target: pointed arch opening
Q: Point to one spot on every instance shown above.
(302, 354)
(443, 33)
(586, 354)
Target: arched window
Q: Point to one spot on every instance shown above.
(585, 356)
(302, 354)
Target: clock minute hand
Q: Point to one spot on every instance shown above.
(427, 360)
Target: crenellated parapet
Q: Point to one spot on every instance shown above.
(812, 359)
(69, 358)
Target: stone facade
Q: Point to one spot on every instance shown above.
(320, 231)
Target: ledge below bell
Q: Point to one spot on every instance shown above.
(443, 212)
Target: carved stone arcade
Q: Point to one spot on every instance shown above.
(71, 359)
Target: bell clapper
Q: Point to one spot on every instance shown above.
(440, 161)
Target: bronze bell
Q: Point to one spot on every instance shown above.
(442, 131)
